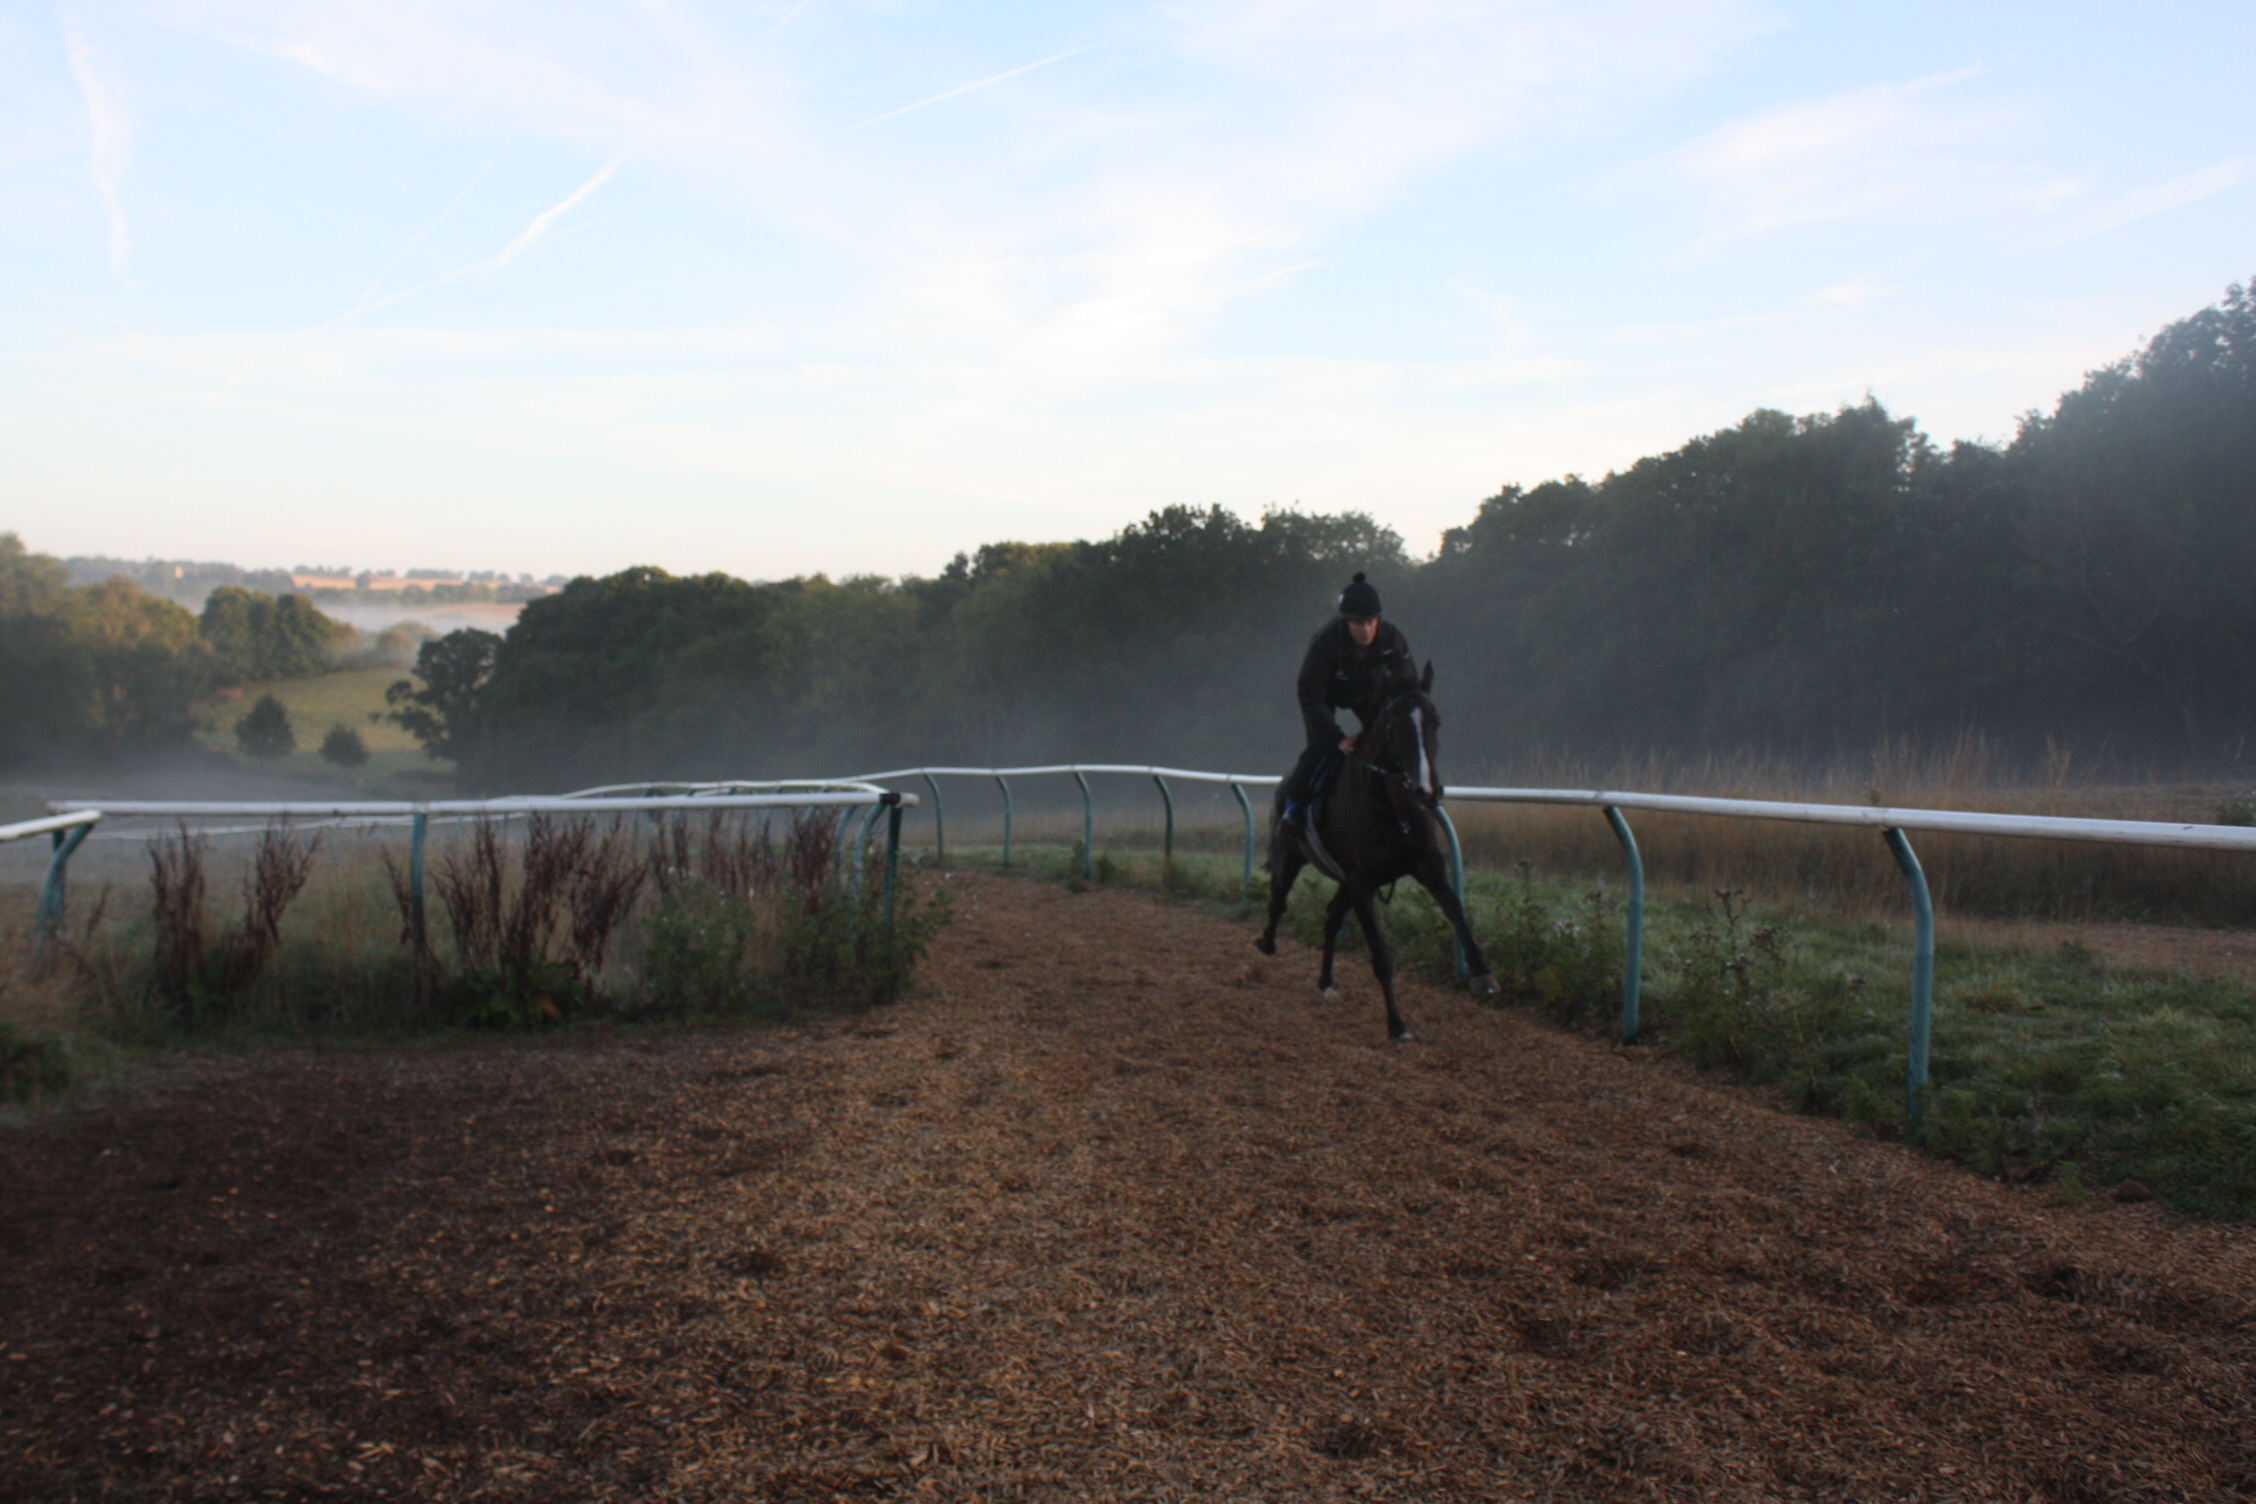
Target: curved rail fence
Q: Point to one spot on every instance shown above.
(67, 831)
(1893, 826)
(867, 792)
(74, 818)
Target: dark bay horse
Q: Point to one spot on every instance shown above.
(1374, 826)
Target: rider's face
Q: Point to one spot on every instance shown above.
(1363, 629)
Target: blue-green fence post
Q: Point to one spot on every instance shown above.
(861, 841)
(419, 934)
(47, 926)
(1922, 972)
(1456, 883)
(1004, 784)
(939, 822)
(1633, 936)
(1167, 844)
(1088, 827)
(892, 852)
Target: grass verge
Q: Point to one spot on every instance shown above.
(2046, 1066)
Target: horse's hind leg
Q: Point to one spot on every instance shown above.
(1382, 963)
(1335, 915)
(1285, 863)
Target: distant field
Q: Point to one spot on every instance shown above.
(349, 698)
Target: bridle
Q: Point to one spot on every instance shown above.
(1421, 784)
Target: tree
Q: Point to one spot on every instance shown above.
(255, 637)
(440, 715)
(265, 732)
(344, 747)
(92, 671)
(2140, 528)
(29, 582)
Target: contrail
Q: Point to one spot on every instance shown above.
(967, 88)
(550, 215)
(402, 296)
(427, 229)
(112, 135)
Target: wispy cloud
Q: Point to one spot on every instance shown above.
(1917, 151)
(1854, 292)
(967, 88)
(2161, 198)
(112, 141)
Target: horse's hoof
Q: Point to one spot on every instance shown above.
(1485, 986)
(1327, 989)
(1401, 1038)
(1265, 945)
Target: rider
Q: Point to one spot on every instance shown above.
(1353, 663)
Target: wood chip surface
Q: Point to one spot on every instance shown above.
(1114, 1208)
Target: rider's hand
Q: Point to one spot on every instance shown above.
(1348, 746)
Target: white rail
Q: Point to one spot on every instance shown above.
(1873, 817)
(569, 804)
(49, 824)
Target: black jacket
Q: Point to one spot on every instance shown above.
(1337, 676)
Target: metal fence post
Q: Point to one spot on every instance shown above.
(1245, 883)
(1167, 846)
(861, 841)
(47, 927)
(1088, 826)
(1456, 883)
(892, 851)
(1004, 784)
(1633, 936)
(418, 930)
(939, 822)
(1922, 971)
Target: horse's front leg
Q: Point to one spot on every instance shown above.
(1334, 916)
(1433, 876)
(1382, 962)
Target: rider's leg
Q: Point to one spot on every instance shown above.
(1298, 780)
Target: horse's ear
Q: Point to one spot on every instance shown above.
(1425, 680)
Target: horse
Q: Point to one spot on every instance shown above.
(1374, 826)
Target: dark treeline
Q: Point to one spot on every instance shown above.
(1811, 585)
(1167, 642)
(1800, 586)
(1803, 586)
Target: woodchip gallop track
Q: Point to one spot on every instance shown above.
(1114, 1208)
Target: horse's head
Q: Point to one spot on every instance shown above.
(1409, 740)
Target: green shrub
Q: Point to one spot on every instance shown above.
(746, 926)
(264, 732)
(772, 953)
(343, 747)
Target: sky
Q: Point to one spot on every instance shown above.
(853, 285)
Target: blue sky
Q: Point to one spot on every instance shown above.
(850, 285)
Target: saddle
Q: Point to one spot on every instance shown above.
(1319, 789)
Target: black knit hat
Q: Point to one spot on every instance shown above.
(1359, 600)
